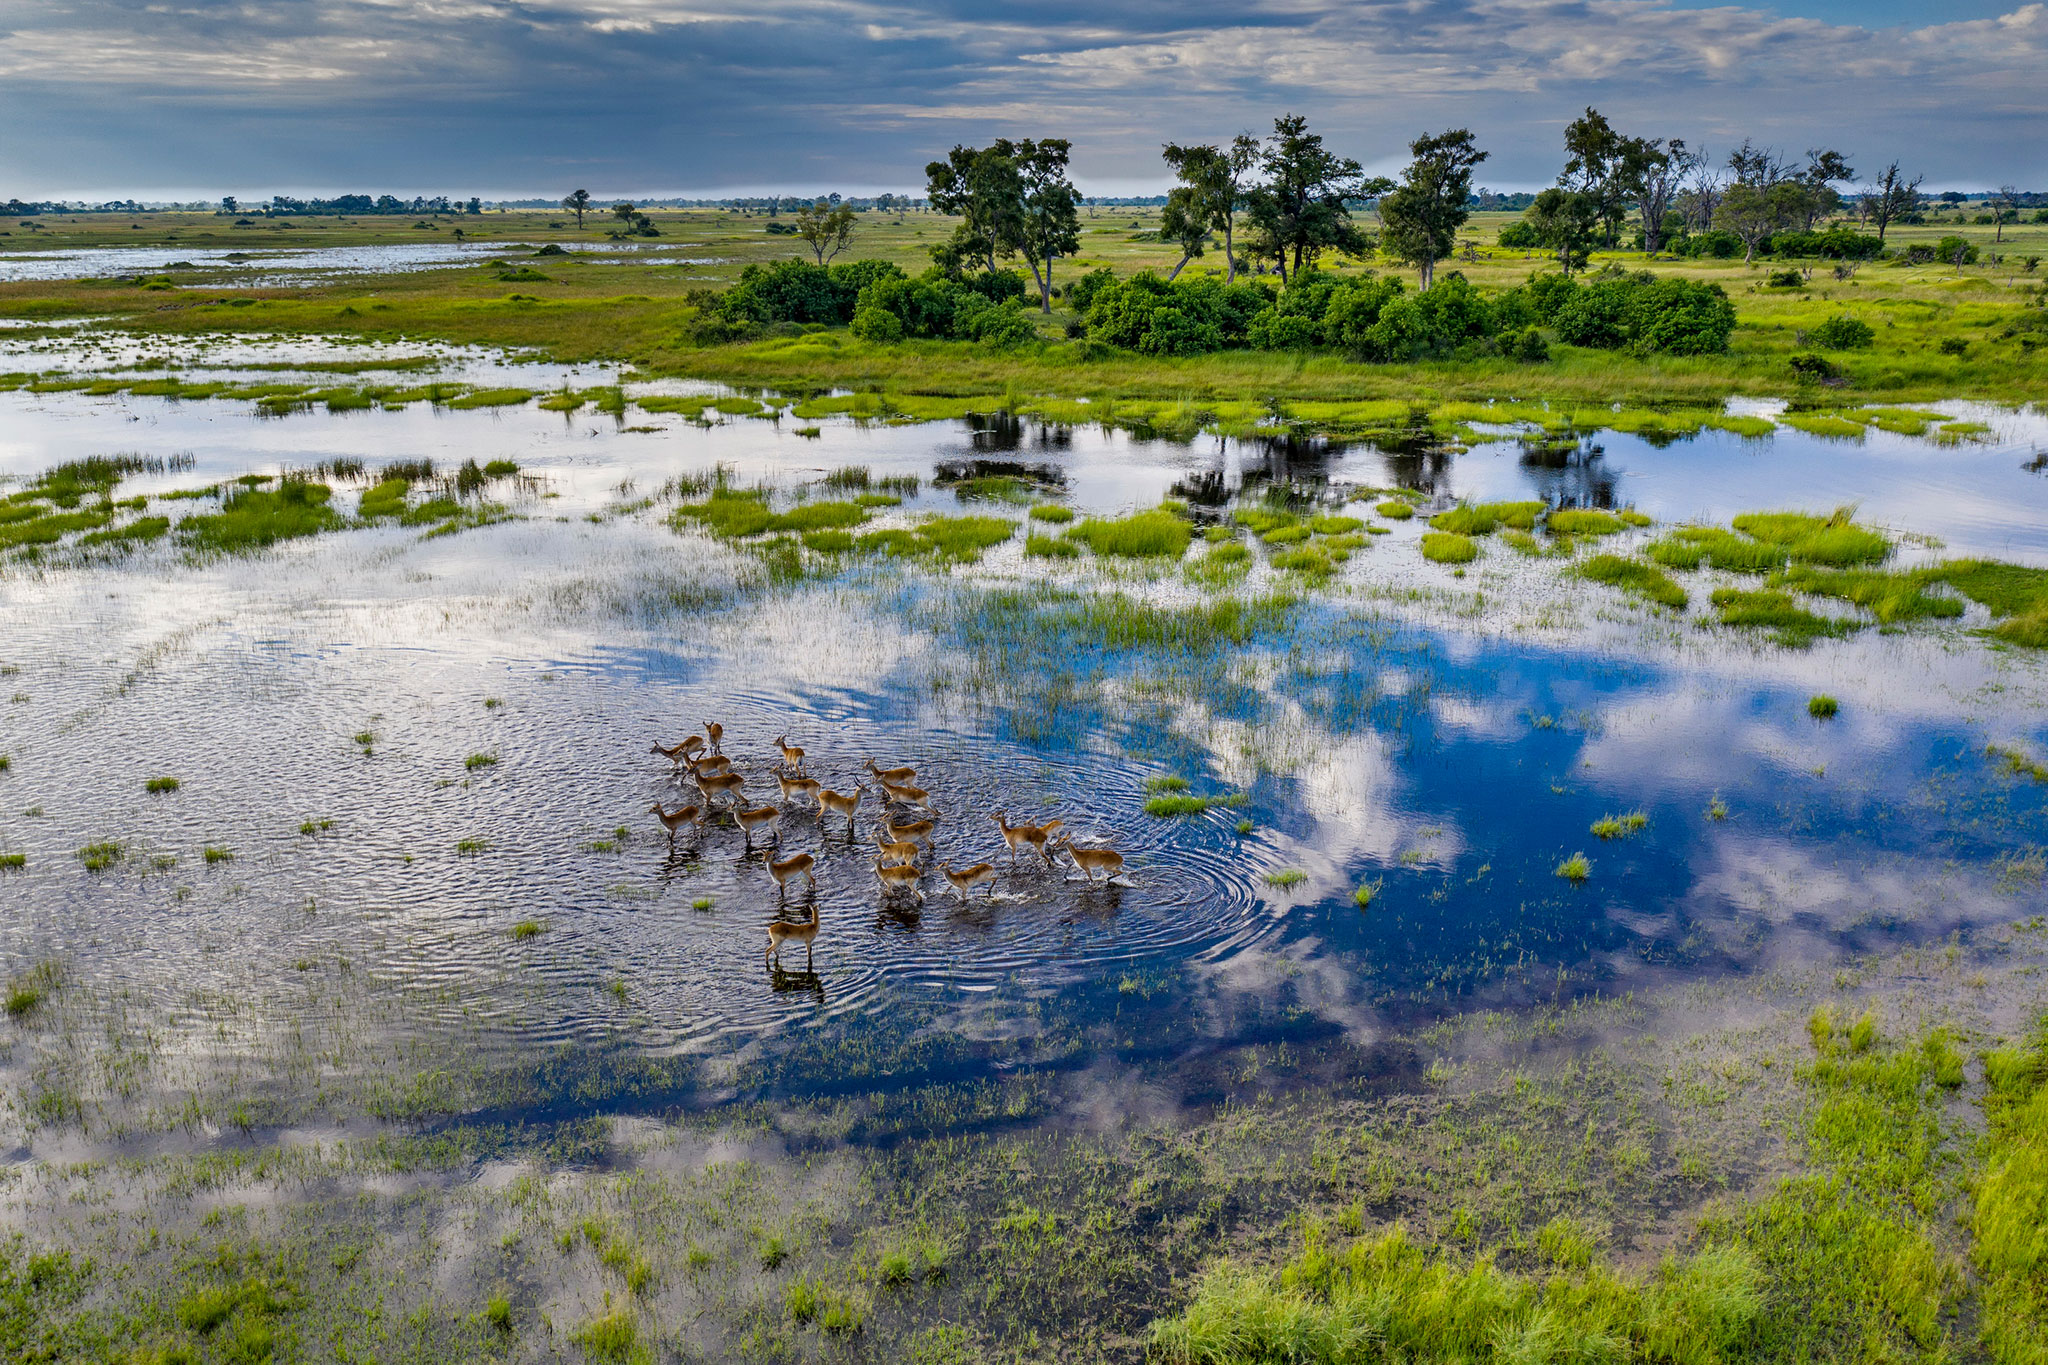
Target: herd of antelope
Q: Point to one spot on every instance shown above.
(700, 762)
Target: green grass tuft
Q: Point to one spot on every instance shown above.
(157, 785)
(1143, 535)
(1821, 706)
(1575, 868)
(1448, 548)
(526, 929)
(1632, 576)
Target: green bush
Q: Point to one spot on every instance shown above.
(1843, 334)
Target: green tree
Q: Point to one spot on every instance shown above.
(1824, 167)
(578, 204)
(983, 187)
(1424, 214)
(1047, 225)
(1608, 167)
(1208, 197)
(1567, 221)
(2004, 204)
(1754, 212)
(1299, 212)
(1663, 185)
(826, 228)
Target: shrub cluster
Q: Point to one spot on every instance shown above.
(986, 307)
(1641, 312)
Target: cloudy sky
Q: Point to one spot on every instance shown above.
(176, 98)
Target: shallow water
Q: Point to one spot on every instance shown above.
(1447, 763)
(265, 264)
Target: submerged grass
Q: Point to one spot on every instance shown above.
(1632, 576)
(1789, 624)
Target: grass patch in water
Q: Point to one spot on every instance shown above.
(2017, 762)
(1620, 826)
(1285, 535)
(1832, 540)
(1575, 868)
(139, 531)
(1052, 512)
(1394, 511)
(1310, 562)
(1336, 526)
(98, 857)
(1789, 624)
(1052, 547)
(1484, 518)
(492, 398)
(470, 848)
(13, 862)
(1826, 424)
(1821, 706)
(214, 853)
(820, 516)
(1632, 576)
(1156, 534)
(729, 513)
(1286, 877)
(829, 542)
(526, 929)
(1226, 564)
(613, 1338)
(254, 518)
(158, 785)
(1170, 807)
(1580, 521)
(1446, 547)
(475, 761)
(963, 539)
(1889, 597)
(1690, 546)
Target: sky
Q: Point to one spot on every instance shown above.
(178, 99)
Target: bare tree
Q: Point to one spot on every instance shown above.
(2007, 200)
(1703, 194)
(1892, 197)
(1758, 167)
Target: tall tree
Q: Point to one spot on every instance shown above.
(826, 228)
(1047, 225)
(1754, 212)
(1662, 183)
(578, 204)
(1299, 211)
(1211, 191)
(1608, 166)
(1702, 194)
(1892, 197)
(1758, 167)
(1824, 167)
(1567, 221)
(1423, 215)
(983, 187)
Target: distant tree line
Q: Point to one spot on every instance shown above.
(284, 206)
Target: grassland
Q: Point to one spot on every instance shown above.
(1939, 332)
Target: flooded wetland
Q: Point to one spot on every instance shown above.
(1513, 802)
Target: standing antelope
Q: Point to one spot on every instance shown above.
(799, 786)
(1092, 860)
(715, 732)
(784, 869)
(751, 820)
(682, 815)
(904, 852)
(1018, 836)
(895, 877)
(716, 763)
(803, 933)
(891, 774)
(717, 784)
(829, 800)
(791, 754)
(967, 877)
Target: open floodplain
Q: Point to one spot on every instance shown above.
(1548, 886)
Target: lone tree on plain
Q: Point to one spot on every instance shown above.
(1892, 198)
(578, 204)
(1423, 215)
(2006, 201)
(1208, 197)
(826, 228)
